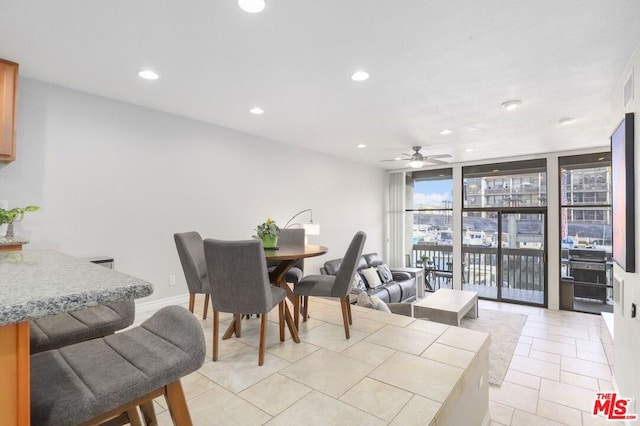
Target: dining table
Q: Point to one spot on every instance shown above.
(41, 283)
(287, 256)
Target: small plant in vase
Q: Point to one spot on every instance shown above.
(426, 260)
(268, 232)
(13, 215)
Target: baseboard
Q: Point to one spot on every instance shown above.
(154, 305)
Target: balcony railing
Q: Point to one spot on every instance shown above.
(522, 269)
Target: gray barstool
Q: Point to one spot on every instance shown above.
(84, 324)
(104, 380)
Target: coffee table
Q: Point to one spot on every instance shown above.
(447, 306)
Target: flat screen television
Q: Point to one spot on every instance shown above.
(623, 200)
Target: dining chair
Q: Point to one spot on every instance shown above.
(240, 285)
(337, 285)
(291, 237)
(191, 253)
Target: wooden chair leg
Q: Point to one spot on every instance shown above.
(192, 301)
(206, 306)
(305, 308)
(345, 317)
(216, 330)
(263, 332)
(177, 404)
(349, 309)
(296, 310)
(281, 319)
(149, 413)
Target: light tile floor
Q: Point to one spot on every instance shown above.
(558, 365)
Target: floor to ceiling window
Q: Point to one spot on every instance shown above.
(585, 232)
(504, 231)
(429, 216)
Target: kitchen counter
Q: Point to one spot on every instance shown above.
(40, 283)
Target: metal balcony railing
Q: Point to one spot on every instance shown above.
(522, 269)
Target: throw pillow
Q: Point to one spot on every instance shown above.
(372, 302)
(358, 282)
(379, 305)
(372, 277)
(385, 273)
(364, 300)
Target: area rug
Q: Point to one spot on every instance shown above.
(505, 329)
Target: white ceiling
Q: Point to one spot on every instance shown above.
(434, 65)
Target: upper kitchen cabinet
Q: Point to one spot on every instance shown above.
(8, 91)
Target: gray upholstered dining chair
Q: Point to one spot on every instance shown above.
(334, 286)
(240, 285)
(191, 252)
(291, 237)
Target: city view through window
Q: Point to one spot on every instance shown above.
(504, 225)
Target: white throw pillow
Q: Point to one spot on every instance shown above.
(364, 300)
(379, 305)
(372, 277)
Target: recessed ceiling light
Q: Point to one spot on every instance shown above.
(495, 170)
(446, 132)
(600, 158)
(360, 76)
(256, 110)
(148, 75)
(361, 145)
(565, 120)
(468, 150)
(251, 6)
(511, 105)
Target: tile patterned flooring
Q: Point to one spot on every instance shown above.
(559, 364)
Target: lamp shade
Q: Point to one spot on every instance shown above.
(311, 228)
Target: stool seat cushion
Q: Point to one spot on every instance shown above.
(76, 383)
(73, 327)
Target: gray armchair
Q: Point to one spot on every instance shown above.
(337, 285)
(240, 285)
(191, 253)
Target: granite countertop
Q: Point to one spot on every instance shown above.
(40, 283)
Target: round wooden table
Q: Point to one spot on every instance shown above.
(287, 255)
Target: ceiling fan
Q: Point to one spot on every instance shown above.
(417, 160)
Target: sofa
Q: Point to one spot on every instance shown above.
(395, 287)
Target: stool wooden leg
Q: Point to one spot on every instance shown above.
(206, 306)
(346, 299)
(216, 331)
(177, 404)
(134, 418)
(305, 308)
(192, 301)
(149, 413)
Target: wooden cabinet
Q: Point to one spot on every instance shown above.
(8, 91)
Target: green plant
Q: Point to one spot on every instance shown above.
(268, 229)
(425, 259)
(15, 214)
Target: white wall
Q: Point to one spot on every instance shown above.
(626, 329)
(117, 179)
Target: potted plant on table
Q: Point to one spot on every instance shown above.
(14, 215)
(268, 232)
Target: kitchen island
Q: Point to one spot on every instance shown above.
(41, 283)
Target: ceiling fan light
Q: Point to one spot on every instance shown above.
(251, 6)
(416, 164)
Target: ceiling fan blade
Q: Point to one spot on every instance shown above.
(440, 156)
(434, 161)
(396, 159)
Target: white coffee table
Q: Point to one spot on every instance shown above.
(447, 306)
